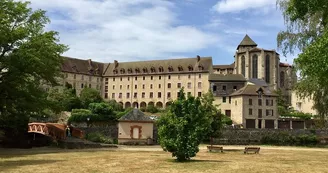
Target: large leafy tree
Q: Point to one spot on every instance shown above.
(307, 30)
(29, 58)
(184, 126)
(90, 95)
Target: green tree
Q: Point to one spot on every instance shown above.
(116, 106)
(103, 110)
(307, 30)
(63, 99)
(29, 58)
(90, 95)
(184, 126)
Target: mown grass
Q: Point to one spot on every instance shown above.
(57, 160)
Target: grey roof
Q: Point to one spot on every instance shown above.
(247, 41)
(258, 82)
(88, 67)
(183, 65)
(253, 90)
(226, 77)
(135, 115)
(224, 66)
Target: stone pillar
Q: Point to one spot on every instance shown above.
(256, 123)
(247, 64)
(275, 124)
(291, 124)
(263, 124)
(261, 72)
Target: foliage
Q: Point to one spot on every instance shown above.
(184, 126)
(98, 137)
(152, 109)
(300, 115)
(103, 111)
(307, 31)
(282, 103)
(89, 95)
(63, 99)
(284, 138)
(29, 58)
(81, 115)
(115, 106)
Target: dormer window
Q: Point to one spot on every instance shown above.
(170, 69)
(130, 70)
(161, 69)
(180, 68)
(153, 70)
(260, 92)
(122, 70)
(137, 70)
(115, 71)
(200, 67)
(190, 68)
(145, 70)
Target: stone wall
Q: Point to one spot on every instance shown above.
(254, 136)
(108, 129)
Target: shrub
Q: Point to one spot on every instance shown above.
(143, 109)
(80, 115)
(98, 137)
(283, 138)
(152, 109)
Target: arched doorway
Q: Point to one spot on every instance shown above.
(151, 104)
(135, 105)
(159, 104)
(127, 105)
(168, 104)
(121, 103)
(143, 105)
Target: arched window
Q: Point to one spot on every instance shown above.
(122, 70)
(243, 66)
(190, 68)
(145, 70)
(170, 69)
(160, 69)
(200, 67)
(267, 69)
(282, 79)
(254, 66)
(180, 68)
(130, 70)
(152, 69)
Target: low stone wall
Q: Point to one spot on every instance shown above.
(108, 129)
(254, 136)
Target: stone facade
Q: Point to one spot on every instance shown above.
(304, 105)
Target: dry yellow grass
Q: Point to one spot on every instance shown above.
(132, 161)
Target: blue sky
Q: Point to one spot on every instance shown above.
(131, 30)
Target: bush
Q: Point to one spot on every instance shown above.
(283, 138)
(98, 137)
(120, 114)
(81, 115)
(143, 109)
(152, 109)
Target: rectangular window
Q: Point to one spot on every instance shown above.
(113, 95)
(114, 79)
(229, 100)
(199, 94)
(169, 77)
(120, 95)
(151, 86)
(159, 94)
(260, 102)
(235, 88)
(113, 87)
(250, 111)
(135, 86)
(269, 112)
(199, 85)
(214, 88)
(135, 95)
(266, 102)
(224, 87)
(189, 76)
(178, 94)
(169, 85)
(151, 95)
(250, 102)
(200, 76)
(128, 86)
(89, 85)
(260, 113)
(189, 93)
(168, 94)
(120, 87)
(159, 77)
(106, 95)
(151, 77)
(224, 99)
(106, 88)
(127, 95)
(179, 85)
(135, 78)
(82, 85)
(143, 95)
(159, 85)
(128, 78)
(179, 77)
(143, 78)
(121, 79)
(74, 76)
(189, 85)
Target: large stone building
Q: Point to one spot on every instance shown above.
(244, 89)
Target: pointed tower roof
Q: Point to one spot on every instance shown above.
(247, 41)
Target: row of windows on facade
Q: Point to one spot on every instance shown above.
(153, 69)
(268, 112)
(225, 71)
(82, 77)
(268, 102)
(151, 95)
(86, 85)
(224, 88)
(169, 85)
(151, 78)
(267, 69)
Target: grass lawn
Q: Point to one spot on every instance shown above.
(134, 161)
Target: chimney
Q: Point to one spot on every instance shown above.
(90, 62)
(115, 63)
(198, 58)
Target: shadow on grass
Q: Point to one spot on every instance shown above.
(12, 164)
(195, 161)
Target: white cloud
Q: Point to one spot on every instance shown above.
(124, 30)
(228, 6)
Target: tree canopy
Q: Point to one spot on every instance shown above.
(90, 95)
(29, 58)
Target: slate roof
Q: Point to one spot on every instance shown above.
(88, 67)
(284, 65)
(224, 66)
(253, 90)
(258, 82)
(227, 77)
(198, 64)
(247, 41)
(257, 49)
(135, 115)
